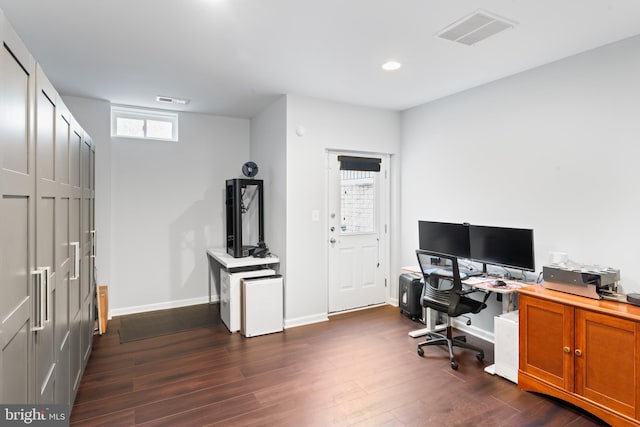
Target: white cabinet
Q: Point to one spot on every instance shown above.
(262, 307)
(506, 345)
(230, 304)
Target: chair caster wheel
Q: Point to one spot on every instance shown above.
(480, 356)
(454, 366)
(420, 352)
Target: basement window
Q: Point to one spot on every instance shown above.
(144, 124)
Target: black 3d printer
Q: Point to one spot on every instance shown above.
(245, 214)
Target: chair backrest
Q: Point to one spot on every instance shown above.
(440, 292)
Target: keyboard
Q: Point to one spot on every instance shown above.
(477, 280)
(471, 273)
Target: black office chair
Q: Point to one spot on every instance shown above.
(443, 292)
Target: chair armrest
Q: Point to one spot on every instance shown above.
(469, 291)
(472, 290)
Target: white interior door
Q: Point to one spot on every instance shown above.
(357, 235)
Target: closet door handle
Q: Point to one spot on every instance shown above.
(76, 260)
(93, 243)
(37, 323)
(46, 271)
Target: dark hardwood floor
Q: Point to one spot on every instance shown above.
(360, 368)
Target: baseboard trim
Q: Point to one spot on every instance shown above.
(366, 307)
(305, 320)
(461, 325)
(160, 306)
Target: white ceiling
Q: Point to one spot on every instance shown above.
(233, 57)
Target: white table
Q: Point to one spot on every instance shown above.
(218, 258)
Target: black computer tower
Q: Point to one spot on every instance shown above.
(409, 295)
(245, 216)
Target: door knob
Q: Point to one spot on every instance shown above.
(578, 352)
(566, 349)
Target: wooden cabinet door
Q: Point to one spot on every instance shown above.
(606, 358)
(546, 341)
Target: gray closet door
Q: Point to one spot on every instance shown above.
(87, 288)
(75, 292)
(63, 257)
(18, 280)
(46, 194)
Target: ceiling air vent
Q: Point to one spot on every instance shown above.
(171, 100)
(475, 27)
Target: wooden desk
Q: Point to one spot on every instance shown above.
(218, 258)
(581, 350)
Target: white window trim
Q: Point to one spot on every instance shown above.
(143, 114)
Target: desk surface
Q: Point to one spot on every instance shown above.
(227, 261)
(616, 308)
(480, 282)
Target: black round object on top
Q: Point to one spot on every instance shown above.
(250, 169)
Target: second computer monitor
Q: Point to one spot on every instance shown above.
(507, 247)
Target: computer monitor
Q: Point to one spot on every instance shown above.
(444, 237)
(506, 247)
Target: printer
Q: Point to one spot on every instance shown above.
(586, 280)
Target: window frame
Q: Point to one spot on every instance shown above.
(118, 111)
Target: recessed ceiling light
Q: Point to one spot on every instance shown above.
(391, 65)
(171, 100)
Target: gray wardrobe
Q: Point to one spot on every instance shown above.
(47, 235)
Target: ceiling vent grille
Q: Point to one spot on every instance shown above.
(171, 100)
(475, 28)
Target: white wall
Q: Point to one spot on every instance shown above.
(554, 148)
(166, 206)
(268, 150)
(328, 126)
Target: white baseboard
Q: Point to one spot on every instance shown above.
(161, 306)
(472, 330)
(366, 307)
(305, 320)
(392, 301)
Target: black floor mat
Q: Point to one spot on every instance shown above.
(140, 326)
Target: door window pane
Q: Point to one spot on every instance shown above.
(357, 201)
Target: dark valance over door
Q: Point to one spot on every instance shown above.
(351, 163)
